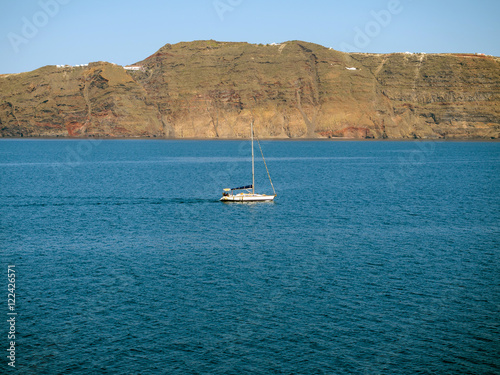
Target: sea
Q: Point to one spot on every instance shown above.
(376, 257)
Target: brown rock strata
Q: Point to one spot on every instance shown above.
(209, 89)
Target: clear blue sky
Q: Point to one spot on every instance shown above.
(35, 33)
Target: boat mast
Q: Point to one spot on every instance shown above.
(253, 162)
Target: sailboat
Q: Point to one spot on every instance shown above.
(247, 193)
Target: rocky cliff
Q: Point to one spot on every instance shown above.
(209, 89)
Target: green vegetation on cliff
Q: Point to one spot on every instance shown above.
(209, 89)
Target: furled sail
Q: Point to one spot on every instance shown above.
(243, 187)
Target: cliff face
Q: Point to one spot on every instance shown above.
(209, 89)
(98, 100)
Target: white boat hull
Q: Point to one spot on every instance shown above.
(249, 194)
(243, 197)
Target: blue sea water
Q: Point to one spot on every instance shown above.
(375, 258)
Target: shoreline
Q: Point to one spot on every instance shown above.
(334, 139)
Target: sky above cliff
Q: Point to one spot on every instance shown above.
(35, 33)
